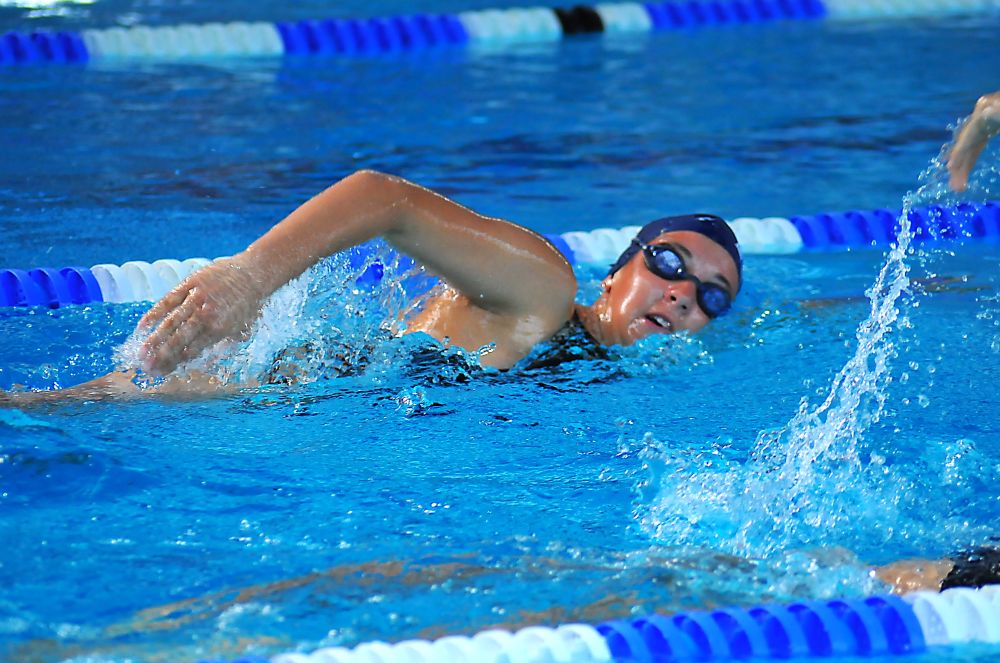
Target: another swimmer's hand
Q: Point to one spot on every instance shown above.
(219, 301)
(983, 124)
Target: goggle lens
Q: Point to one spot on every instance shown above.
(714, 300)
(668, 264)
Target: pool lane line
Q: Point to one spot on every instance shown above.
(397, 34)
(881, 625)
(136, 280)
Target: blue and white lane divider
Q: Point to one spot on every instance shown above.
(136, 281)
(881, 626)
(414, 32)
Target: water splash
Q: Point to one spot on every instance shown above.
(327, 321)
(819, 481)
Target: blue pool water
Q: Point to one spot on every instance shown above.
(433, 497)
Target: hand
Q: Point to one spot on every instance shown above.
(219, 301)
(983, 124)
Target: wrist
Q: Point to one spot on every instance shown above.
(257, 272)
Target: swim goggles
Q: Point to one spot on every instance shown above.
(664, 261)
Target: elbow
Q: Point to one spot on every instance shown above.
(389, 192)
(375, 185)
(368, 178)
(987, 100)
(379, 196)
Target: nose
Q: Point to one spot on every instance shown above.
(681, 295)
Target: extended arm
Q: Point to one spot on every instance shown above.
(979, 128)
(501, 268)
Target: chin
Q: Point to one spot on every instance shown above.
(638, 331)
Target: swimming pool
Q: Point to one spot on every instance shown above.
(508, 498)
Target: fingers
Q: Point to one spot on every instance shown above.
(214, 304)
(160, 310)
(185, 354)
(174, 341)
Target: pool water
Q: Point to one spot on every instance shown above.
(427, 496)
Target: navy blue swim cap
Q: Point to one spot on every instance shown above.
(710, 226)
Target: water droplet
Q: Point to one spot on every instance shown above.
(923, 400)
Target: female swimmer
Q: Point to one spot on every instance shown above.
(508, 288)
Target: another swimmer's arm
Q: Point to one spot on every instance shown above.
(911, 575)
(979, 128)
(499, 266)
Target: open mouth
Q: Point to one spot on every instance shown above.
(660, 322)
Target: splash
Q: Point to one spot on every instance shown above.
(818, 481)
(327, 321)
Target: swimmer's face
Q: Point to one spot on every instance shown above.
(639, 303)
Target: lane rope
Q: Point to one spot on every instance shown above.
(414, 32)
(881, 625)
(136, 280)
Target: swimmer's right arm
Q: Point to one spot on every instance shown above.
(979, 128)
(499, 266)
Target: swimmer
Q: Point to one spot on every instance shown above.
(974, 568)
(982, 125)
(978, 567)
(507, 287)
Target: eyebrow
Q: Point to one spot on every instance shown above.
(719, 277)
